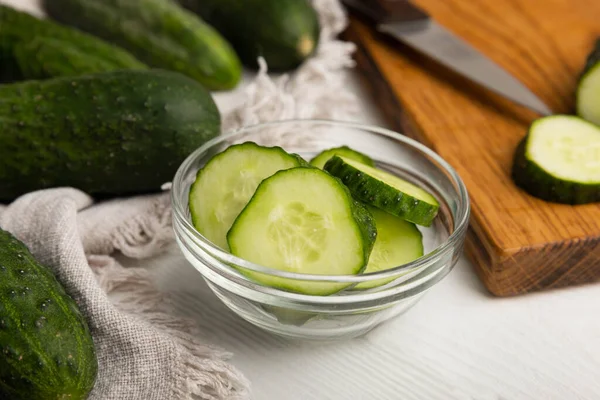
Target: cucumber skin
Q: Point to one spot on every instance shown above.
(70, 52)
(47, 348)
(361, 215)
(273, 29)
(529, 176)
(381, 195)
(44, 58)
(164, 35)
(321, 159)
(366, 223)
(114, 133)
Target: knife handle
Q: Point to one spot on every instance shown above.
(387, 11)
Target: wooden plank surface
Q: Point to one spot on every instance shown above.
(519, 243)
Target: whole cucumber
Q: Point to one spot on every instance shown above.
(113, 133)
(159, 32)
(284, 32)
(47, 350)
(33, 48)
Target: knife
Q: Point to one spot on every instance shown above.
(411, 25)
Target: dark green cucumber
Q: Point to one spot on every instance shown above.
(226, 183)
(588, 88)
(113, 133)
(284, 32)
(32, 48)
(344, 151)
(385, 191)
(559, 160)
(305, 221)
(46, 346)
(398, 242)
(158, 32)
(45, 57)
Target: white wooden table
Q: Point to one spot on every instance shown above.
(458, 343)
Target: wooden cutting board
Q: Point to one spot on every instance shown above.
(518, 243)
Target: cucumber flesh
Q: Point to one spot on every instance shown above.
(398, 242)
(303, 220)
(385, 191)
(559, 160)
(588, 88)
(343, 151)
(588, 96)
(226, 183)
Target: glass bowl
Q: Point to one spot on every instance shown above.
(350, 312)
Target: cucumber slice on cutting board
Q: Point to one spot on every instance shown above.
(303, 220)
(588, 88)
(559, 160)
(385, 191)
(226, 183)
(398, 242)
(343, 151)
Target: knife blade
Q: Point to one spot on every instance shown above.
(412, 26)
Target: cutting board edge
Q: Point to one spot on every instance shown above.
(577, 263)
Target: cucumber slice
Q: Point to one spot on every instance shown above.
(588, 88)
(344, 151)
(303, 220)
(398, 242)
(226, 183)
(559, 160)
(385, 191)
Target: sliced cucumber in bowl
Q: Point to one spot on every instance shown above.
(272, 209)
(398, 242)
(226, 183)
(385, 191)
(305, 221)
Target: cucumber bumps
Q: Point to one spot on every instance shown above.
(47, 351)
(113, 133)
(33, 48)
(158, 32)
(385, 191)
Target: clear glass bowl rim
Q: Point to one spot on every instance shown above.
(461, 219)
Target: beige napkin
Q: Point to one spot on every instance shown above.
(143, 352)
